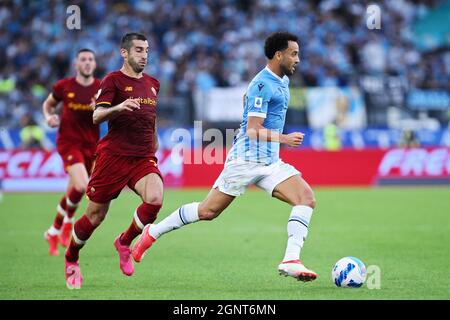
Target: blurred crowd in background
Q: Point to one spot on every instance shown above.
(211, 43)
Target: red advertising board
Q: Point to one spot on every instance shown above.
(37, 170)
(415, 166)
(350, 167)
(31, 170)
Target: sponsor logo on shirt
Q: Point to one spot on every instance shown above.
(79, 106)
(71, 95)
(129, 89)
(149, 101)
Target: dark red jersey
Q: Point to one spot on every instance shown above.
(76, 127)
(130, 133)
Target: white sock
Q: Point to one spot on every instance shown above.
(182, 216)
(53, 231)
(297, 229)
(68, 220)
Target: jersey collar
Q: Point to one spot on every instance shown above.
(273, 73)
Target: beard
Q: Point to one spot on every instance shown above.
(85, 74)
(286, 70)
(135, 66)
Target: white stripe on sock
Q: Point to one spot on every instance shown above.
(60, 210)
(53, 231)
(70, 203)
(76, 239)
(68, 220)
(138, 222)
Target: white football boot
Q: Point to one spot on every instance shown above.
(295, 269)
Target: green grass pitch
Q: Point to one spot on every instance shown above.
(403, 231)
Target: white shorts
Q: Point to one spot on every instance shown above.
(238, 174)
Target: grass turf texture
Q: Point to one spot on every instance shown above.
(404, 231)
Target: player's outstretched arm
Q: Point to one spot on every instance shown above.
(48, 108)
(256, 131)
(102, 114)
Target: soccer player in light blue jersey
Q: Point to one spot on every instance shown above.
(254, 159)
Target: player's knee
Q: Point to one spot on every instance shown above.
(96, 216)
(96, 219)
(156, 201)
(154, 198)
(81, 187)
(309, 200)
(304, 199)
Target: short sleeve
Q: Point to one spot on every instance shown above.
(153, 83)
(58, 90)
(105, 95)
(157, 86)
(258, 97)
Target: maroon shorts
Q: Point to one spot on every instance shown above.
(72, 154)
(111, 173)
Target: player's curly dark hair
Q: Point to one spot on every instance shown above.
(127, 40)
(278, 41)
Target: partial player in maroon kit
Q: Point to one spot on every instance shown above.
(125, 156)
(76, 140)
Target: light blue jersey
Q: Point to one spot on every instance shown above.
(267, 97)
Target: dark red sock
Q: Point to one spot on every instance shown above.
(57, 223)
(71, 211)
(146, 213)
(83, 229)
(74, 198)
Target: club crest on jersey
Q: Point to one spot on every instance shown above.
(129, 89)
(71, 95)
(258, 102)
(154, 91)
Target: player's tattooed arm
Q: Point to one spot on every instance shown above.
(48, 108)
(256, 131)
(102, 114)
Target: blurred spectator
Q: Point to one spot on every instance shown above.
(332, 139)
(409, 139)
(31, 135)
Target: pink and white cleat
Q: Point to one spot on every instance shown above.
(52, 243)
(295, 269)
(144, 242)
(126, 263)
(73, 275)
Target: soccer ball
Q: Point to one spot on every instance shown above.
(349, 272)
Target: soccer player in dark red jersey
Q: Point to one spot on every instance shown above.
(125, 156)
(76, 141)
